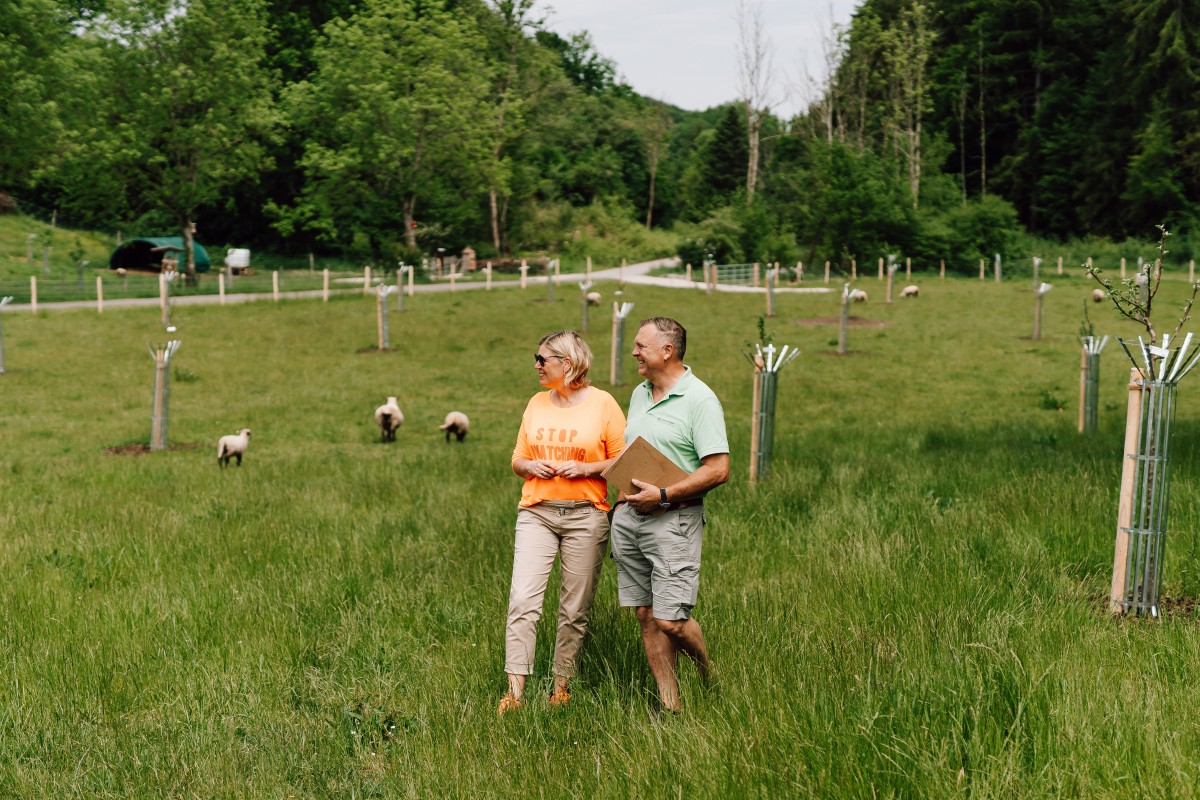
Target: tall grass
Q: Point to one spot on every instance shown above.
(910, 605)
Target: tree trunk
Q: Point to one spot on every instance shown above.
(650, 204)
(495, 213)
(189, 251)
(408, 206)
(753, 128)
(982, 130)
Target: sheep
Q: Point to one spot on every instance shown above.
(389, 418)
(910, 291)
(233, 446)
(456, 423)
(593, 298)
(857, 296)
(1098, 295)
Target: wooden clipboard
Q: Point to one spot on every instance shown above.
(643, 461)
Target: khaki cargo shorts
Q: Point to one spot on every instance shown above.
(658, 559)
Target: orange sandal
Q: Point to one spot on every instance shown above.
(509, 702)
(560, 697)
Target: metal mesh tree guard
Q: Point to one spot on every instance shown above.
(160, 408)
(584, 286)
(1145, 476)
(762, 425)
(1089, 382)
(3, 302)
(1146, 530)
(620, 313)
(1039, 294)
(844, 324)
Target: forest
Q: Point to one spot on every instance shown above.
(384, 129)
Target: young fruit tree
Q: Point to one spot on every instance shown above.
(1145, 479)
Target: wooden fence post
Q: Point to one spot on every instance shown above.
(1133, 416)
(99, 295)
(325, 285)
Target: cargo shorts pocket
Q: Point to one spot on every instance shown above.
(684, 583)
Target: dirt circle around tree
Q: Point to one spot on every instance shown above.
(853, 322)
(141, 449)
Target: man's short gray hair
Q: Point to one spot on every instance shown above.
(671, 330)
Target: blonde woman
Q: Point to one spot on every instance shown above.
(569, 434)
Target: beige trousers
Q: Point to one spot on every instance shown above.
(577, 533)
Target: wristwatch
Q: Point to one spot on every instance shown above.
(662, 500)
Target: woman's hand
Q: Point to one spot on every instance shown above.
(573, 469)
(541, 469)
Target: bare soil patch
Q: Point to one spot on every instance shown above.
(140, 449)
(853, 322)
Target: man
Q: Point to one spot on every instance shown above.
(657, 533)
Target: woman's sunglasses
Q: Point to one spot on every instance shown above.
(540, 359)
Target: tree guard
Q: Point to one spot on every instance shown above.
(1145, 476)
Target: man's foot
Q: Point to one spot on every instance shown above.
(509, 702)
(561, 697)
(708, 680)
(660, 713)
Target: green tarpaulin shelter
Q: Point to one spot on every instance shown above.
(146, 253)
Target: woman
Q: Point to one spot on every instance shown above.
(569, 435)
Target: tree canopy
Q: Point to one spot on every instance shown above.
(387, 127)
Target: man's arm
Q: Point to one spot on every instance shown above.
(712, 472)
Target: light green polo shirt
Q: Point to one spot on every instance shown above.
(687, 425)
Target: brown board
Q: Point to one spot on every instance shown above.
(643, 461)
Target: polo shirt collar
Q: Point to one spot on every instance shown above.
(679, 389)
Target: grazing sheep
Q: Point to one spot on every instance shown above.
(858, 296)
(389, 418)
(233, 446)
(1098, 295)
(593, 298)
(456, 423)
(910, 291)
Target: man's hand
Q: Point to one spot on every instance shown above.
(646, 500)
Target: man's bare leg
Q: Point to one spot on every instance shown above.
(662, 655)
(685, 635)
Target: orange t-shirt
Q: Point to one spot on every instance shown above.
(594, 430)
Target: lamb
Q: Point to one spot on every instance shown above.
(456, 423)
(857, 296)
(389, 418)
(909, 291)
(1098, 295)
(593, 298)
(233, 446)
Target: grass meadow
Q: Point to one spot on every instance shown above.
(910, 605)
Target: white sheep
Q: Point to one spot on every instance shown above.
(910, 291)
(1098, 295)
(233, 446)
(593, 298)
(456, 423)
(389, 418)
(857, 296)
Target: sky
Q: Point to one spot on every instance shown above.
(685, 51)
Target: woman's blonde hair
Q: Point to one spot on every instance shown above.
(575, 353)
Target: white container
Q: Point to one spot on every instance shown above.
(237, 258)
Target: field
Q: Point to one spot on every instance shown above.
(910, 605)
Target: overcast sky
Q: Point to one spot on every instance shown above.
(685, 51)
